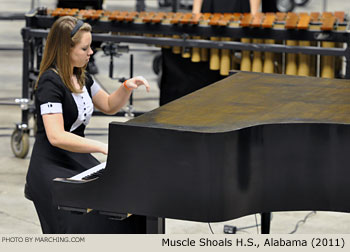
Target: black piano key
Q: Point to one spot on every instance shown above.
(93, 175)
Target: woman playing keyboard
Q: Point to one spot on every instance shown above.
(65, 98)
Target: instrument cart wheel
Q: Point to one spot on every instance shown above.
(20, 143)
(285, 5)
(301, 2)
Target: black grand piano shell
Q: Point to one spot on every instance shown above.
(250, 143)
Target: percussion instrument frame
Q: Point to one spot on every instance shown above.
(37, 26)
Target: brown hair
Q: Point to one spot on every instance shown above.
(57, 51)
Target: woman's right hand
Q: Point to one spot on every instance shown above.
(135, 82)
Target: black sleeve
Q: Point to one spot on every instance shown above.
(49, 89)
(91, 85)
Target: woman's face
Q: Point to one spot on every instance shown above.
(81, 52)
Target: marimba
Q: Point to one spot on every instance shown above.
(260, 33)
(298, 44)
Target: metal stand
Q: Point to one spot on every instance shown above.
(175, 4)
(324, 6)
(155, 225)
(114, 50)
(265, 223)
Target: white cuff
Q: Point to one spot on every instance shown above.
(51, 108)
(95, 88)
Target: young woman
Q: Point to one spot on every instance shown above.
(65, 97)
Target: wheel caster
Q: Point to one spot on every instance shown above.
(20, 143)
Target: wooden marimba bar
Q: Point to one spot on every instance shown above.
(314, 30)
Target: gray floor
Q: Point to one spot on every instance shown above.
(17, 214)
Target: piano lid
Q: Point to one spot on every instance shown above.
(246, 99)
(197, 158)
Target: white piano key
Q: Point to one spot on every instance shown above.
(88, 172)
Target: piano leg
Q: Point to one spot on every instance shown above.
(155, 225)
(265, 223)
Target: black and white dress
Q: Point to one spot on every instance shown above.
(48, 162)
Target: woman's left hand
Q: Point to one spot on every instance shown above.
(135, 82)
